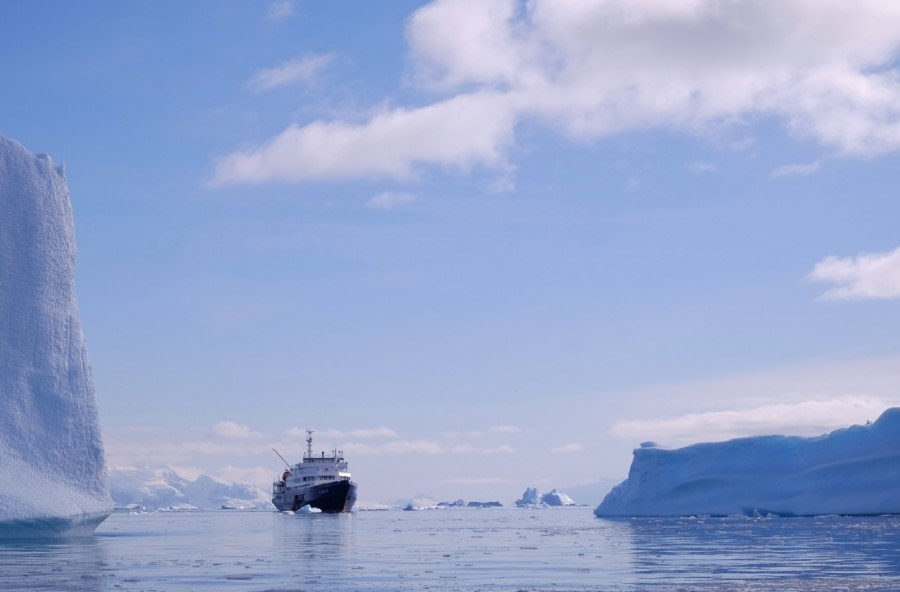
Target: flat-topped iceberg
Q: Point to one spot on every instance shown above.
(851, 471)
(52, 468)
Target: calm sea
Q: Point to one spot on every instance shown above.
(459, 549)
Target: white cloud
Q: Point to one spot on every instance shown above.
(388, 200)
(571, 447)
(792, 170)
(280, 10)
(802, 418)
(587, 70)
(462, 132)
(303, 69)
(864, 277)
(230, 429)
(598, 68)
(461, 42)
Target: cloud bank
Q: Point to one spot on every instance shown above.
(586, 70)
(806, 418)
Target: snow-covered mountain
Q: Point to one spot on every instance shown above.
(855, 470)
(162, 487)
(52, 468)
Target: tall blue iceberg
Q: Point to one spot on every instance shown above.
(52, 467)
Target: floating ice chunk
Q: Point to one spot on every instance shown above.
(307, 509)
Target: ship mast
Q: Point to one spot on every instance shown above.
(309, 434)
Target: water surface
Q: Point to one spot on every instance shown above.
(460, 549)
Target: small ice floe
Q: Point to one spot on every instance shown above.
(307, 509)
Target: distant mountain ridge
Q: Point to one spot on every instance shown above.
(163, 487)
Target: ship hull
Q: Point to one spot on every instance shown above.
(332, 497)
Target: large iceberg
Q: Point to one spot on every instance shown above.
(852, 471)
(52, 468)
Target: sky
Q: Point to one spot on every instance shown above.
(478, 246)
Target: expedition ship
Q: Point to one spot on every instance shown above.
(321, 482)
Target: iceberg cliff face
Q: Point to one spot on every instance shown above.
(52, 468)
(855, 470)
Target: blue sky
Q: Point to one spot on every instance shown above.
(478, 245)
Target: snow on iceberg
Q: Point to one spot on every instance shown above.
(851, 471)
(557, 498)
(52, 468)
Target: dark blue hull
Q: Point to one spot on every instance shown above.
(334, 496)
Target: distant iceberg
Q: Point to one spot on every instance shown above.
(851, 471)
(532, 498)
(557, 498)
(420, 502)
(52, 468)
